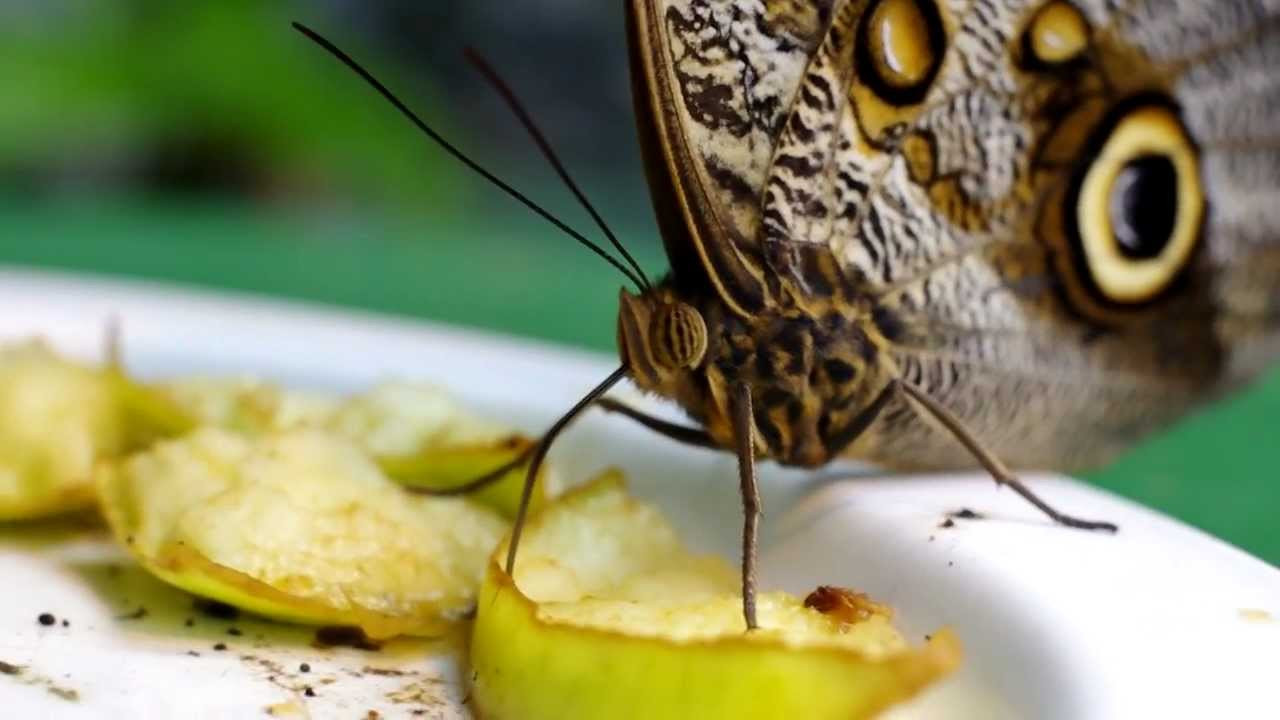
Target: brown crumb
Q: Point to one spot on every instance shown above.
(372, 715)
(220, 646)
(304, 667)
(948, 523)
(65, 693)
(344, 636)
(138, 614)
(216, 610)
(46, 619)
(384, 672)
(308, 691)
(10, 668)
(844, 605)
(288, 707)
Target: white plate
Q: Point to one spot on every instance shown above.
(1158, 621)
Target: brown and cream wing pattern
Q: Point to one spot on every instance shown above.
(947, 155)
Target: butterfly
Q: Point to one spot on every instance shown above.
(946, 233)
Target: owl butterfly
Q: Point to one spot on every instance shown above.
(934, 233)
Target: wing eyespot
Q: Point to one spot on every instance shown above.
(900, 46)
(1057, 36)
(1132, 213)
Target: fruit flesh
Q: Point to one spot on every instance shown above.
(302, 526)
(609, 616)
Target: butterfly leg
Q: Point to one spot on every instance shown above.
(743, 434)
(997, 469)
(680, 433)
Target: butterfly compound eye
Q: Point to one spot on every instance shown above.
(1137, 205)
(678, 336)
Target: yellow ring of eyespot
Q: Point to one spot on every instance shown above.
(899, 40)
(1058, 33)
(1121, 279)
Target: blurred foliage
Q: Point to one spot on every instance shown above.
(214, 96)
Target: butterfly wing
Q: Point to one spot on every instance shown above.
(946, 205)
(938, 153)
(714, 80)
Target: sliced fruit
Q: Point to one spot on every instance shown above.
(302, 526)
(58, 418)
(418, 434)
(247, 404)
(610, 616)
(401, 418)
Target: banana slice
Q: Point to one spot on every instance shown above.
(299, 525)
(610, 616)
(57, 419)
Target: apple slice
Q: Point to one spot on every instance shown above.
(416, 432)
(299, 525)
(57, 419)
(610, 616)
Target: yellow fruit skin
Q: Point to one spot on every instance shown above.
(526, 669)
(527, 666)
(441, 468)
(188, 570)
(299, 526)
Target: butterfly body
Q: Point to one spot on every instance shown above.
(812, 368)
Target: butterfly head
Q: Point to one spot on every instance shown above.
(661, 338)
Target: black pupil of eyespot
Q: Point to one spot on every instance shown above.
(1144, 206)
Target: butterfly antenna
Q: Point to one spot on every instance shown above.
(518, 109)
(458, 154)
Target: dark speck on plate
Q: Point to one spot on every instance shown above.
(189, 623)
(304, 667)
(220, 646)
(138, 614)
(948, 523)
(217, 610)
(344, 636)
(10, 668)
(66, 623)
(308, 691)
(235, 632)
(46, 619)
(966, 514)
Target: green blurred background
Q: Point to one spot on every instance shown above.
(205, 142)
